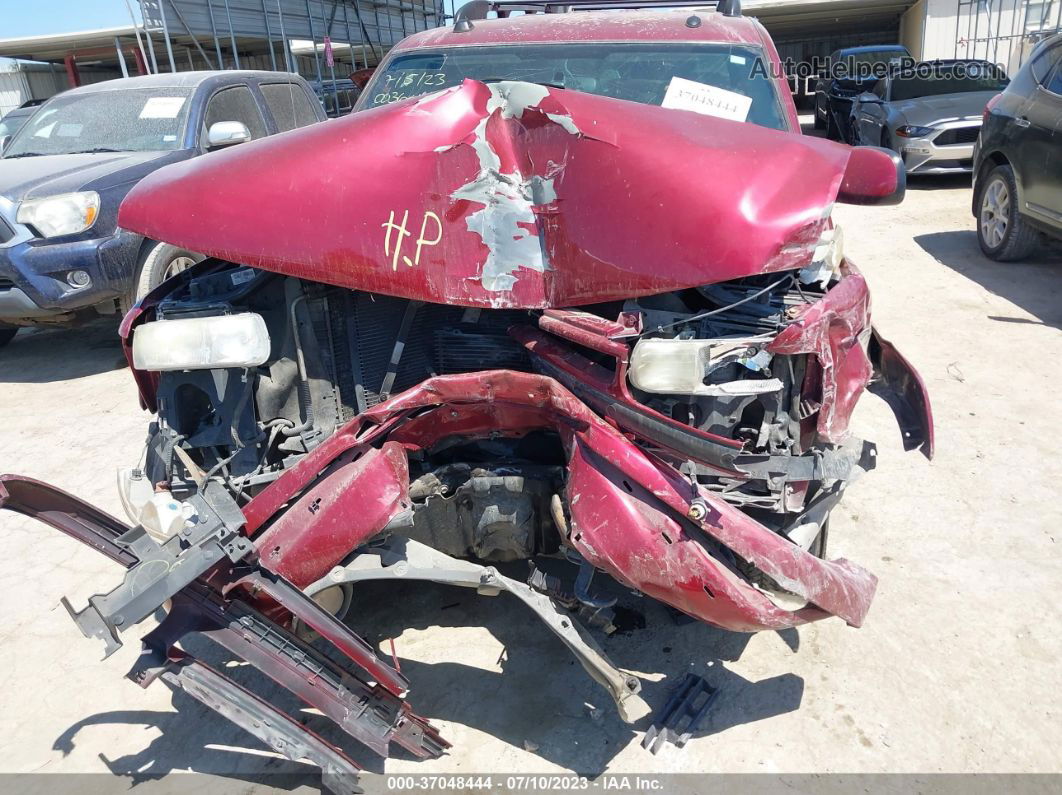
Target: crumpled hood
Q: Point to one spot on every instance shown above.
(504, 195)
(946, 107)
(47, 175)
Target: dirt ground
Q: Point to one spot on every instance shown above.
(957, 668)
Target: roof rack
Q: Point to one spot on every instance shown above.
(478, 9)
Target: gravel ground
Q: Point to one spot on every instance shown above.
(957, 667)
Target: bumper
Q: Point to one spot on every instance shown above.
(33, 275)
(922, 156)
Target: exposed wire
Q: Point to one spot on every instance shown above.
(721, 309)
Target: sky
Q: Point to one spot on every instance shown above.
(19, 18)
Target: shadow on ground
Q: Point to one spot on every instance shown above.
(1035, 285)
(41, 356)
(941, 182)
(541, 700)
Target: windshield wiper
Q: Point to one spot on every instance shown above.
(517, 80)
(24, 154)
(95, 151)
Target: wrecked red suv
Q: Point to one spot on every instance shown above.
(512, 310)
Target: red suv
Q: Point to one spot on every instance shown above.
(634, 56)
(514, 311)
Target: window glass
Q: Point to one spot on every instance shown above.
(235, 104)
(952, 79)
(639, 73)
(1042, 63)
(1054, 82)
(132, 120)
(289, 105)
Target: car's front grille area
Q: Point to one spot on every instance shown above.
(6, 232)
(5, 284)
(357, 332)
(958, 135)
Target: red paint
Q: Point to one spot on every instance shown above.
(343, 509)
(831, 330)
(608, 26)
(601, 458)
(702, 199)
(73, 76)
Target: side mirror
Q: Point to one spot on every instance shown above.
(227, 133)
(873, 176)
(4, 141)
(869, 98)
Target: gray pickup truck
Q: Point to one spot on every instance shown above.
(65, 172)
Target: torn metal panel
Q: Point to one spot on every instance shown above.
(505, 195)
(601, 460)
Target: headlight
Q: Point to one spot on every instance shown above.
(201, 343)
(907, 131)
(66, 214)
(683, 367)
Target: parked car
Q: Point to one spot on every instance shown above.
(539, 318)
(337, 96)
(850, 72)
(930, 113)
(62, 177)
(12, 122)
(1017, 193)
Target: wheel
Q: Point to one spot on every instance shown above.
(886, 140)
(820, 123)
(160, 263)
(1001, 231)
(7, 334)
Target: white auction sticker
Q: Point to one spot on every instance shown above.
(162, 108)
(685, 94)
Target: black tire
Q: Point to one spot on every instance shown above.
(1003, 234)
(7, 334)
(886, 140)
(831, 126)
(820, 124)
(159, 263)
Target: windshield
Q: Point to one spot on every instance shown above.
(637, 72)
(959, 79)
(11, 123)
(138, 120)
(875, 57)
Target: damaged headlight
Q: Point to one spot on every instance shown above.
(202, 343)
(684, 367)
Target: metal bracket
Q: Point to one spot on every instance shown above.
(684, 704)
(257, 717)
(401, 558)
(164, 569)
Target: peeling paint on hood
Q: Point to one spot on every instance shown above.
(504, 195)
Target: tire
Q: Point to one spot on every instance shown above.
(886, 140)
(1003, 234)
(820, 124)
(7, 334)
(159, 263)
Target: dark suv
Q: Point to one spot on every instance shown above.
(850, 72)
(63, 175)
(1017, 193)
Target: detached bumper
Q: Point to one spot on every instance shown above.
(33, 275)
